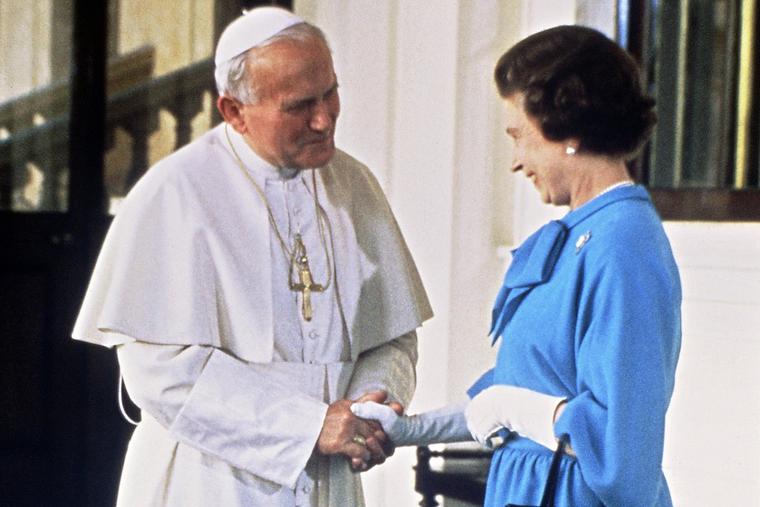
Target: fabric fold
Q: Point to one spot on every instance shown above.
(532, 264)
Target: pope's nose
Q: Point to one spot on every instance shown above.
(321, 120)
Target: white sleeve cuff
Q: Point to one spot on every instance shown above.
(242, 414)
(390, 367)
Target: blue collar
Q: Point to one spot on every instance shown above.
(577, 215)
(533, 261)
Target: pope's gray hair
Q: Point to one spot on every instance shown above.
(232, 77)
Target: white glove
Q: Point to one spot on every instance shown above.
(529, 413)
(444, 425)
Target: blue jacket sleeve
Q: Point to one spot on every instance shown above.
(629, 321)
(483, 382)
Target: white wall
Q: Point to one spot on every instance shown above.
(396, 64)
(712, 454)
(420, 108)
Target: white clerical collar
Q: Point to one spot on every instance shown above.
(253, 163)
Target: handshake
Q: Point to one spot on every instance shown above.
(368, 430)
(362, 440)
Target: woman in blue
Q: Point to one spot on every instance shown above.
(589, 311)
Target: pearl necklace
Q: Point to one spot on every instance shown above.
(619, 184)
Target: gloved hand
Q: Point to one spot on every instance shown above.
(444, 425)
(529, 413)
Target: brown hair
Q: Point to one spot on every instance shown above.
(577, 83)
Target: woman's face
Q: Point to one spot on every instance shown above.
(544, 162)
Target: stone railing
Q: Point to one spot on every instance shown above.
(34, 127)
(136, 110)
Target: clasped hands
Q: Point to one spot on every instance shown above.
(363, 442)
(530, 413)
(366, 431)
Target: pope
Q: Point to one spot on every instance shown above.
(254, 284)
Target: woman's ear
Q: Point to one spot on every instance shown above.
(572, 146)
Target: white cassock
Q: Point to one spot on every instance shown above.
(233, 383)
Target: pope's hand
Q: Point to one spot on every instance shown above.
(362, 442)
(380, 446)
(394, 425)
(343, 433)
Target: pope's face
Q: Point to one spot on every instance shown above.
(293, 122)
(542, 161)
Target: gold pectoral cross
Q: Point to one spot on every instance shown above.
(305, 283)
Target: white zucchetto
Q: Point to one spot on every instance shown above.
(251, 29)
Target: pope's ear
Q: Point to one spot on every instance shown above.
(230, 109)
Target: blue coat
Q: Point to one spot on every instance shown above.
(590, 310)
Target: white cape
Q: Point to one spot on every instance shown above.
(186, 260)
